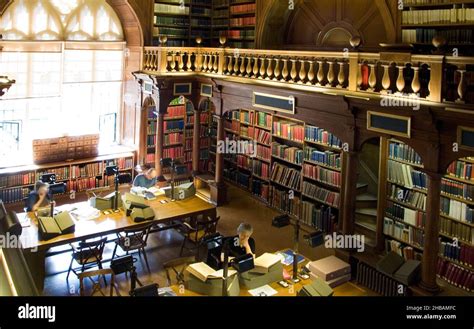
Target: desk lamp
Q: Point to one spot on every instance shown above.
(170, 163)
(314, 239)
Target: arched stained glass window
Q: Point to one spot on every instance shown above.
(71, 20)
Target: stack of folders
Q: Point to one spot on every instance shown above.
(203, 279)
(332, 270)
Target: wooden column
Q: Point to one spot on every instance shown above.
(159, 145)
(350, 190)
(196, 141)
(381, 194)
(219, 156)
(431, 243)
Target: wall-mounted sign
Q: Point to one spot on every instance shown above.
(148, 88)
(274, 103)
(182, 89)
(389, 124)
(206, 90)
(466, 137)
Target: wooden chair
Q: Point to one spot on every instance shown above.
(96, 286)
(87, 254)
(134, 239)
(197, 232)
(177, 266)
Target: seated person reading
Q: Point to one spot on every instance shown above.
(147, 178)
(242, 243)
(39, 197)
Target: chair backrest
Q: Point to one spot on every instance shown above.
(209, 226)
(94, 277)
(139, 232)
(177, 266)
(91, 250)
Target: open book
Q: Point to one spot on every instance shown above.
(264, 262)
(204, 272)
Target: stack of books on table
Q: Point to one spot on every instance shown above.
(332, 270)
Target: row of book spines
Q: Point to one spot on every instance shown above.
(403, 232)
(170, 9)
(450, 15)
(377, 281)
(403, 152)
(263, 119)
(405, 251)
(203, 118)
(247, 117)
(457, 210)
(319, 135)
(232, 125)
(17, 179)
(327, 158)
(413, 217)
(413, 198)
(456, 230)
(458, 189)
(461, 169)
(261, 169)
(321, 218)
(173, 125)
(242, 21)
(289, 130)
(292, 154)
(175, 138)
(244, 161)
(247, 131)
(286, 176)
(282, 200)
(421, 35)
(456, 275)
(324, 175)
(405, 175)
(261, 189)
(173, 152)
(463, 254)
(175, 111)
(321, 194)
(264, 152)
(238, 33)
(14, 195)
(262, 136)
(237, 9)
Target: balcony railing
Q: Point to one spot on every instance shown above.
(435, 78)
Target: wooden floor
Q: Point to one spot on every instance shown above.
(165, 246)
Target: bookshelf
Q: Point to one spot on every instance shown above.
(151, 127)
(296, 168)
(421, 20)
(236, 20)
(456, 250)
(204, 136)
(181, 21)
(16, 183)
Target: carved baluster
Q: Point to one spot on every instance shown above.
(172, 62)
(242, 66)
(269, 69)
(372, 78)
(386, 78)
(400, 79)
(210, 65)
(359, 77)
(236, 66)
(284, 72)
(216, 63)
(277, 70)
(255, 67)
(204, 63)
(230, 66)
(302, 73)
(310, 73)
(461, 87)
(188, 62)
(429, 83)
(341, 77)
(262, 68)
(320, 74)
(145, 60)
(248, 70)
(181, 62)
(154, 64)
(198, 62)
(331, 75)
(293, 72)
(415, 84)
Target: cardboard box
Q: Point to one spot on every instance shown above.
(251, 280)
(212, 287)
(334, 282)
(329, 268)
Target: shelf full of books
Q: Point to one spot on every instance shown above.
(81, 175)
(293, 167)
(422, 20)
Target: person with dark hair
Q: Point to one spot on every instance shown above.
(243, 243)
(147, 178)
(39, 197)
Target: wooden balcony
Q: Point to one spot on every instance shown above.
(434, 79)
